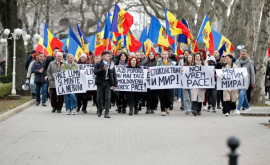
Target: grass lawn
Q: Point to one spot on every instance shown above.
(6, 105)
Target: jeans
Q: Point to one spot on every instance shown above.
(70, 101)
(179, 91)
(186, 100)
(42, 86)
(32, 85)
(243, 101)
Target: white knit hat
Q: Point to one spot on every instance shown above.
(83, 55)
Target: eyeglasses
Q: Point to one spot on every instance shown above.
(223, 56)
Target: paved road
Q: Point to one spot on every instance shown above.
(38, 137)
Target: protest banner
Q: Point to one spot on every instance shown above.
(90, 76)
(232, 78)
(131, 79)
(85, 66)
(198, 77)
(71, 81)
(165, 77)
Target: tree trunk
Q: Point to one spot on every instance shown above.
(9, 19)
(261, 55)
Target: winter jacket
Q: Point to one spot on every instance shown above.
(100, 73)
(230, 95)
(66, 66)
(160, 62)
(53, 68)
(30, 74)
(247, 63)
(196, 93)
(150, 63)
(29, 59)
(39, 77)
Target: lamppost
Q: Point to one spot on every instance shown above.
(15, 35)
(4, 42)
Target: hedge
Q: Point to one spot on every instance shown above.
(5, 79)
(5, 89)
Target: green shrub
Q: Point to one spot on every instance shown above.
(5, 79)
(5, 89)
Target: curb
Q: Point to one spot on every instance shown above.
(256, 114)
(16, 110)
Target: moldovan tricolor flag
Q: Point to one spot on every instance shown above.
(99, 41)
(133, 44)
(74, 49)
(122, 20)
(205, 35)
(84, 41)
(157, 34)
(220, 40)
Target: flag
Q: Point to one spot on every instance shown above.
(71, 34)
(143, 38)
(117, 44)
(182, 38)
(133, 44)
(50, 42)
(176, 27)
(147, 47)
(40, 47)
(84, 41)
(107, 32)
(179, 51)
(205, 35)
(48, 37)
(220, 40)
(222, 49)
(121, 21)
(269, 49)
(157, 34)
(99, 48)
(192, 47)
(74, 49)
(91, 40)
(64, 41)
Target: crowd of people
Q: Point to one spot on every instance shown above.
(42, 70)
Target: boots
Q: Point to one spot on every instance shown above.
(130, 111)
(136, 111)
(119, 109)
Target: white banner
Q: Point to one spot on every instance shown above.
(131, 79)
(165, 77)
(232, 78)
(198, 77)
(90, 76)
(71, 81)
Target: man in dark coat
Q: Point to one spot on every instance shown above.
(105, 79)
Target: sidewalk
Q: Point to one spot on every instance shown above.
(38, 137)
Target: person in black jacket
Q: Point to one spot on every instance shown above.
(105, 79)
(40, 79)
(152, 95)
(29, 59)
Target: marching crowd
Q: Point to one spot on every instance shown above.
(42, 69)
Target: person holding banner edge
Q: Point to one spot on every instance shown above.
(197, 95)
(165, 94)
(105, 79)
(70, 99)
(244, 61)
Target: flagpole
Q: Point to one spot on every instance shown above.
(107, 42)
(199, 33)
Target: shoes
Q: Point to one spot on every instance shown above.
(37, 103)
(68, 112)
(209, 108)
(204, 108)
(53, 110)
(218, 107)
(124, 110)
(130, 111)
(119, 109)
(199, 113)
(107, 116)
(171, 107)
(227, 114)
(214, 110)
(73, 112)
(84, 111)
(179, 100)
(163, 113)
(167, 110)
(136, 111)
(182, 108)
(243, 108)
(247, 110)
(59, 111)
(152, 111)
(237, 112)
(44, 105)
(187, 112)
(194, 112)
(78, 109)
(147, 111)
